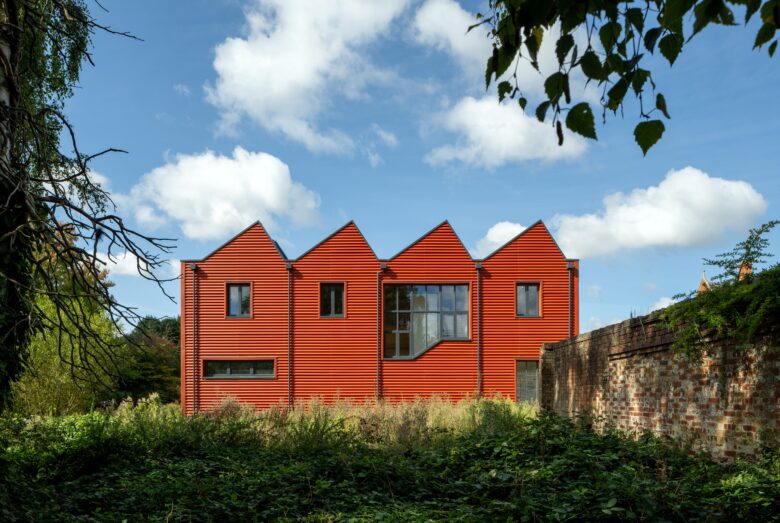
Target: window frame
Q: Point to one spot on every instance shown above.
(230, 359)
(538, 379)
(343, 300)
(235, 283)
(440, 313)
(540, 285)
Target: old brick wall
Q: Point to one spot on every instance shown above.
(626, 376)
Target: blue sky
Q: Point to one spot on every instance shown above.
(306, 115)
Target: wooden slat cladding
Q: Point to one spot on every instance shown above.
(250, 258)
(335, 358)
(450, 367)
(531, 257)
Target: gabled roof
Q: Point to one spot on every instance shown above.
(336, 233)
(521, 233)
(231, 240)
(421, 238)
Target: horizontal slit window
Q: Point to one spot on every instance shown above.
(238, 369)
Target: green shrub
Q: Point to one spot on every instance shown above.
(479, 460)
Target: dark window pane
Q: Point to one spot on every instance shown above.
(418, 333)
(404, 297)
(447, 325)
(403, 344)
(527, 380)
(264, 368)
(216, 368)
(245, 300)
(462, 326)
(432, 329)
(338, 293)
(389, 345)
(418, 298)
(240, 368)
(448, 297)
(432, 297)
(404, 321)
(391, 321)
(233, 300)
(391, 295)
(461, 297)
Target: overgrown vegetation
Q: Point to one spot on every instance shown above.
(486, 460)
(55, 382)
(742, 305)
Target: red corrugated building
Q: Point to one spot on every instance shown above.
(337, 323)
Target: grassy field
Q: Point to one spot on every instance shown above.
(488, 460)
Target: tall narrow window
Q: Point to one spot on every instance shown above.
(239, 300)
(527, 380)
(528, 300)
(332, 300)
(417, 317)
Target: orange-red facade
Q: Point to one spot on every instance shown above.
(343, 358)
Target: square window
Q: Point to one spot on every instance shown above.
(239, 300)
(528, 300)
(332, 300)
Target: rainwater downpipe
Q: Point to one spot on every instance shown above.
(290, 390)
(478, 267)
(378, 391)
(570, 268)
(195, 354)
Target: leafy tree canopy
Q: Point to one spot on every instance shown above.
(619, 35)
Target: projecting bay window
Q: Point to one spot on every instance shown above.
(417, 317)
(527, 300)
(238, 369)
(239, 300)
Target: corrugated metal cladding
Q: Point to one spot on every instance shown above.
(336, 358)
(531, 257)
(450, 367)
(250, 258)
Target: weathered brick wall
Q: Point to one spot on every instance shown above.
(626, 376)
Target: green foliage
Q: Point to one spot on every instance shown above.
(619, 35)
(58, 378)
(149, 361)
(486, 460)
(743, 308)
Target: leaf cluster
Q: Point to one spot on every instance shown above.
(618, 37)
(742, 305)
(148, 462)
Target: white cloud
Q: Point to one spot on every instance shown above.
(127, 264)
(493, 134)
(374, 158)
(211, 196)
(594, 322)
(687, 208)
(495, 237)
(662, 303)
(388, 138)
(294, 56)
(182, 89)
(594, 291)
(123, 263)
(442, 24)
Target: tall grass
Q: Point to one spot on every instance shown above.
(423, 460)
